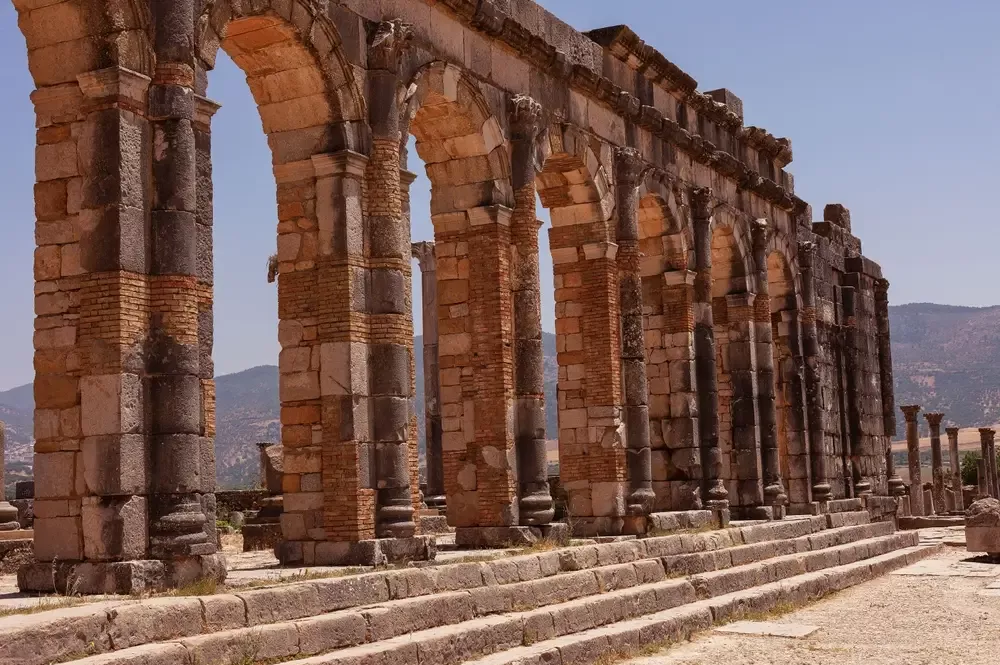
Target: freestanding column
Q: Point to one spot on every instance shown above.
(988, 440)
(8, 513)
(716, 495)
(435, 497)
(956, 467)
(937, 462)
(535, 501)
(774, 491)
(391, 327)
(913, 454)
(629, 168)
(182, 458)
(821, 490)
(985, 477)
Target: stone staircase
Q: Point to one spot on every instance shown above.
(571, 606)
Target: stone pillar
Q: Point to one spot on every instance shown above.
(821, 490)
(535, 500)
(629, 168)
(885, 357)
(714, 488)
(981, 478)
(937, 462)
(389, 254)
(913, 453)
(435, 497)
(182, 460)
(853, 388)
(989, 452)
(8, 513)
(956, 467)
(739, 356)
(767, 412)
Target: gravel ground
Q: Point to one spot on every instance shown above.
(940, 615)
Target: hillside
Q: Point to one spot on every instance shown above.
(945, 358)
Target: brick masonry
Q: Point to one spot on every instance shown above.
(123, 132)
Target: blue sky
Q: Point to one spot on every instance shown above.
(890, 106)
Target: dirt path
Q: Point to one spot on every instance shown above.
(939, 611)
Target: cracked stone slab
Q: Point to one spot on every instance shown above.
(769, 629)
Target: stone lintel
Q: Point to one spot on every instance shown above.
(406, 178)
(494, 214)
(204, 110)
(600, 250)
(677, 277)
(115, 82)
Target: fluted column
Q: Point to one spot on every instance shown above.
(534, 499)
(629, 168)
(988, 442)
(913, 455)
(714, 488)
(391, 331)
(956, 467)
(423, 252)
(179, 528)
(853, 378)
(937, 462)
(767, 417)
(821, 490)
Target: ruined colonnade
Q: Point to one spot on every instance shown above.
(717, 348)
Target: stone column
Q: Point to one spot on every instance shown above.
(8, 513)
(821, 490)
(629, 168)
(981, 478)
(956, 467)
(182, 458)
(853, 388)
(435, 497)
(937, 462)
(389, 255)
(535, 501)
(885, 357)
(989, 451)
(767, 412)
(714, 488)
(913, 453)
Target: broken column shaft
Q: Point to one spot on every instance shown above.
(913, 453)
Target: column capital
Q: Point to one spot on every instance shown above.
(701, 204)
(951, 431)
(807, 252)
(423, 252)
(629, 168)
(910, 412)
(204, 110)
(760, 230)
(986, 434)
(388, 44)
(934, 419)
(525, 116)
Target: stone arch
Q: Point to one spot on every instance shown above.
(305, 89)
(793, 452)
(467, 159)
(574, 185)
(459, 139)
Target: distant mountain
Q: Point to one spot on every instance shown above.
(947, 359)
(247, 411)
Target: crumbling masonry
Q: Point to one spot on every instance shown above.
(717, 348)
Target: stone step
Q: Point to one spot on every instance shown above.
(116, 625)
(459, 641)
(356, 626)
(626, 638)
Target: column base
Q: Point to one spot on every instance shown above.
(119, 577)
(498, 537)
(375, 552)
(433, 525)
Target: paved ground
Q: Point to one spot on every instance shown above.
(941, 611)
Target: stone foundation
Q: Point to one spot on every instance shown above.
(490, 537)
(118, 577)
(374, 552)
(258, 537)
